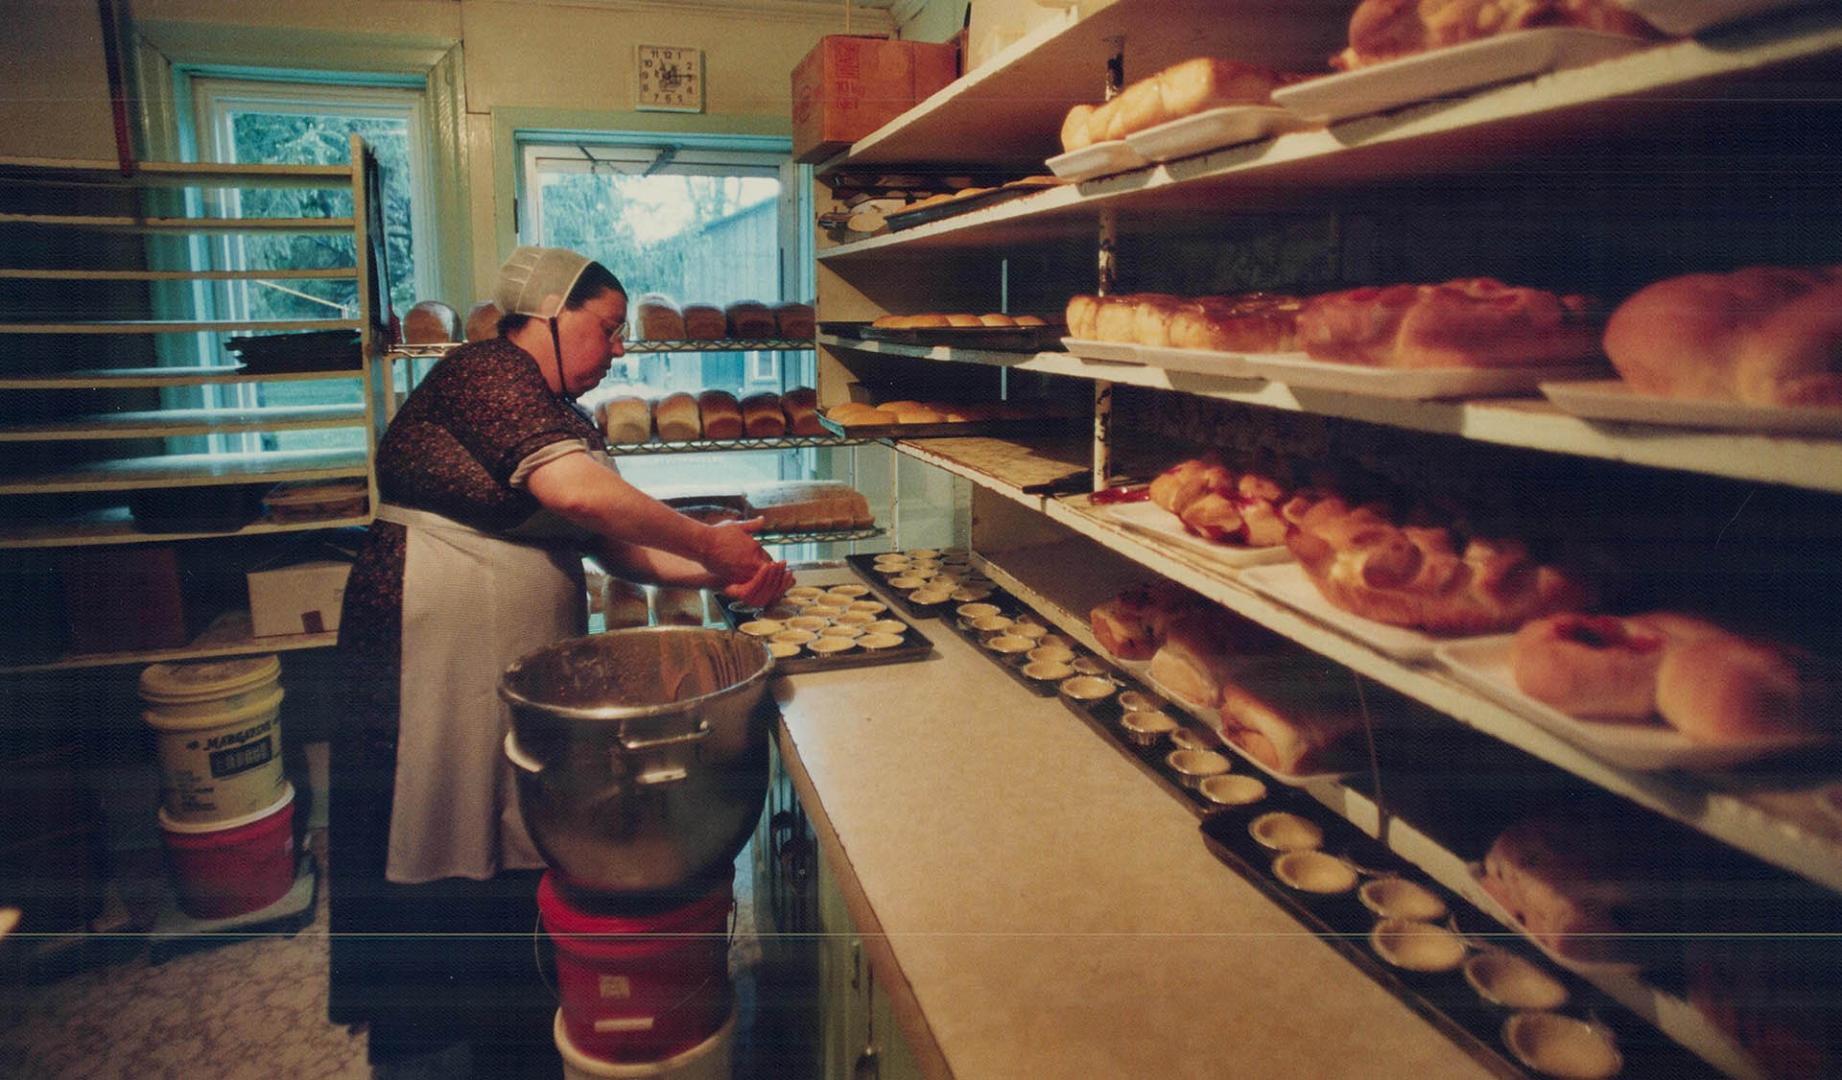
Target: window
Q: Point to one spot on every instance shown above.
(700, 221)
(307, 124)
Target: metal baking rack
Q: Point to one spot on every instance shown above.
(703, 446)
(719, 345)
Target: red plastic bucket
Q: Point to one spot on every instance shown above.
(639, 988)
(232, 867)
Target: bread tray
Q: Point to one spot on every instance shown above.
(1483, 664)
(1099, 159)
(1413, 384)
(1289, 585)
(1019, 339)
(1613, 399)
(1151, 520)
(1454, 70)
(1232, 125)
(915, 646)
(1048, 425)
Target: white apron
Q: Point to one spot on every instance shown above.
(472, 603)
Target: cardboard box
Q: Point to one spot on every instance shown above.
(847, 87)
(297, 598)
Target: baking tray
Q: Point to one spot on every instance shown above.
(865, 566)
(1048, 425)
(1012, 663)
(960, 204)
(915, 646)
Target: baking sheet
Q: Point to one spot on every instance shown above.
(1150, 519)
(1450, 71)
(1112, 352)
(1100, 159)
(1231, 125)
(1412, 384)
(908, 219)
(1290, 585)
(1484, 665)
(1201, 361)
(1613, 399)
(915, 646)
(865, 565)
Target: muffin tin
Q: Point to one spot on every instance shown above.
(943, 572)
(828, 634)
(1010, 634)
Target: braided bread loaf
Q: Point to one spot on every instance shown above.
(1418, 576)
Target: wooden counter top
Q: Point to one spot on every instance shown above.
(1038, 907)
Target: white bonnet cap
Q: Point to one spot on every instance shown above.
(532, 274)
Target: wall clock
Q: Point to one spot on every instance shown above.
(671, 78)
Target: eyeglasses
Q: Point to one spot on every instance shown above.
(619, 334)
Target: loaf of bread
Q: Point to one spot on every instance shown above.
(794, 320)
(750, 319)
(625, 419)
(1763, 335)
(762, 417)
(1424, 577)
(1246, 323)
(675, 418)
(1151, 318)
(1389, 29)
(676, 606)
(801, 404)
(1082, 316)
(720, 415)
(1201, 650)
(1563, 883)
(483, 321)
(860, 414)
(1183, 89)
(1465, 323)
(658, 318)
(798, 506)
(430, 322)
(705, 322)
(1133, 624)
(1293, 712)
(624, 604)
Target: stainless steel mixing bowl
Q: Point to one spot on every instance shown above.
(641, 755)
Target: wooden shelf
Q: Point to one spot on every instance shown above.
(177, 326)
(165, 423)
(1032, 575)
(229, 635)
(116, 525)
(60, 171)
(1516, 122)
(198, 375)
(1016, 100)
(1778, 819)
(190, 470)
(1810, 462)
(166, 225)
(334, 273)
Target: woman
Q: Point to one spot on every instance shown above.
(492, 484)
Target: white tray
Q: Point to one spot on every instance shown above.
(1201, 361)
(1483, 664)
(1690, 16)
(1449, 71)
(1112, 352)
(1490, 906)
(1100, 159)
(1212, 130)
(1415, 384)
(1153, 520)
(1141, 670)
(1291, 586)
(1613, 399)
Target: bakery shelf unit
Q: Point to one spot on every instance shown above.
(1697, 130)
(103, 416)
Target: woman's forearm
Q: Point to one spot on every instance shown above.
(582, 491)
(636, 562)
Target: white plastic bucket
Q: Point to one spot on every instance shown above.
(708, 1060)
(218, 729)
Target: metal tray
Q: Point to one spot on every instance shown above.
(1012, 663)
(908, 219)
(865, 566)
(915, 646)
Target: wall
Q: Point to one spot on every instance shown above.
(527, 64)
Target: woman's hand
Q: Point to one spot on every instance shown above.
(729, 550)
(769, 583)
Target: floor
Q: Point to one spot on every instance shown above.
(252, 1009)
